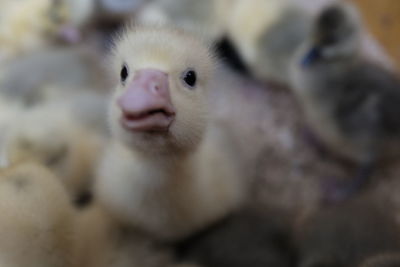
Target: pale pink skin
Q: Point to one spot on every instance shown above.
(146, 103)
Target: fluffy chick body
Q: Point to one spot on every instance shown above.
(350, 103)
(170, 185)
(37, 219)
(49, 135)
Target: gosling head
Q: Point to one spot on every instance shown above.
(160, 101)
(335, 35)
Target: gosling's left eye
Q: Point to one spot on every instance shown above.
(124, 73)
(189, 78)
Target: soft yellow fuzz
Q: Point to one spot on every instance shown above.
(49, 135)
(36, 223)
(170, 49)
(249, 20)
(169, 184)
(173, 52)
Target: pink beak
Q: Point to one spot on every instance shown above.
(146, 104)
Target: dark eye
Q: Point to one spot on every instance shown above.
(189, 78)
(124, 73)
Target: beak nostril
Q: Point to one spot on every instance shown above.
(156, 88)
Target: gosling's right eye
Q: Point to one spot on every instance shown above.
(189, 78)
(124, 73)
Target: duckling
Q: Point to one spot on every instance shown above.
(351, 103)
(168, 170)
(49, 135)
(37, 222)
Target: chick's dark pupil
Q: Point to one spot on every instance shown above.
(190, 78)
(124, 73)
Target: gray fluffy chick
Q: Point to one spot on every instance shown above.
(351, 104)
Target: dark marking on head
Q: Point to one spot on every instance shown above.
(84, 199)
(333, 26)
(331, 18)
(230, 56)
